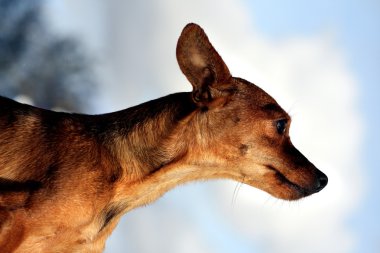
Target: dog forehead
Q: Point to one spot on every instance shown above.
(257, 101)
(253, 93)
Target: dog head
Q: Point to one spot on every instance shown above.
(243, 133)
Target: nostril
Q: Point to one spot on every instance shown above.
(322, 181)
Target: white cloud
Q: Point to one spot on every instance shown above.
(308, 76)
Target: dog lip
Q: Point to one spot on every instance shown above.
(282, 178)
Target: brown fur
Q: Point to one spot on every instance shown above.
(66, 179)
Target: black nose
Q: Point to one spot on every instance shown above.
(322, 181)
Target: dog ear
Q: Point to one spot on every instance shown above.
(201, 64)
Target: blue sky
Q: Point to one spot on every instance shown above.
(356, 25)
(135, 42)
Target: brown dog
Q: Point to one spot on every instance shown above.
(66, 179)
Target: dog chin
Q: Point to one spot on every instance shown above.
(290, 193)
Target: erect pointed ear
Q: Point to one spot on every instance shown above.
(201, 64)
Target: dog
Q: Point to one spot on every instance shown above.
(66, 179)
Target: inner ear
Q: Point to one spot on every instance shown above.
(201, 63)
(203, 92)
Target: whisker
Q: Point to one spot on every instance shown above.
(293, 109)
(235, 194)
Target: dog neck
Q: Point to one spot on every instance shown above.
(147, 137)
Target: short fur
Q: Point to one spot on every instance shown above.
(66, 179)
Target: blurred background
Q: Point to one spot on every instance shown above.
(319, 59)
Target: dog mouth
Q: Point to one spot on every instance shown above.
(297, 190)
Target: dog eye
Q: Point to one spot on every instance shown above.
(281, 126)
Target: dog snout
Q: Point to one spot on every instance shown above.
(321, 181)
